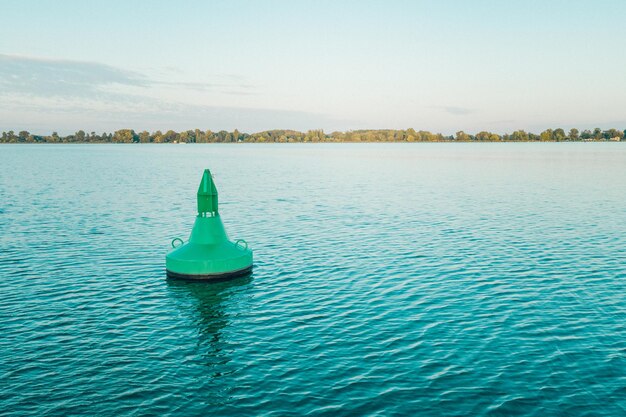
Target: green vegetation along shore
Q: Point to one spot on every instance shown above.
(284, 136)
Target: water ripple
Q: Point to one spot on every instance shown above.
(388, 280)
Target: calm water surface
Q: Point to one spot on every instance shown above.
(423, 279)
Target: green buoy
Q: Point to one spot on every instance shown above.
(208, 254)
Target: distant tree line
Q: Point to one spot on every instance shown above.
(285, 136)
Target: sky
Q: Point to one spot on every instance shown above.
(442, 66)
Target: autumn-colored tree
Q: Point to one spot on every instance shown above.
(125, 136)
(597, 134)
(547, 135)
(380, 135)
(519, 136)
(80, 136)
(558, 134)
(144, 137)
(23, 136)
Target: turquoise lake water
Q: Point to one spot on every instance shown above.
(389, 280)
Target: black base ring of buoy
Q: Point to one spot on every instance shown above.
(209, 277)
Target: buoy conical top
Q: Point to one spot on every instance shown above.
(208, 254)
(207, 194)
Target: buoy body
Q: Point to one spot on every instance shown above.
(208, 254)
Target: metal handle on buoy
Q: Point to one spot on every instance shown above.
(237, 243)
(177, 239)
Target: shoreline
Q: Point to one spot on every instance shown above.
(308, 143)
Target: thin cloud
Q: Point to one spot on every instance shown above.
(58, 77)
(188, 85)
(238, 93)
(44, 77)
(67, 95)
(457, 111)
(152, 115)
